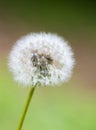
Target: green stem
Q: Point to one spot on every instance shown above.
(26, 107)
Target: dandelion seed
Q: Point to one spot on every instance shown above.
(43, 58)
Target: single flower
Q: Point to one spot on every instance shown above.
(42, 58)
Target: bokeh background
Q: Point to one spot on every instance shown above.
(68, 107)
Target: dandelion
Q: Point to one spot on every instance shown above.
(41, 58)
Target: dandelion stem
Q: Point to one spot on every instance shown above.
(26, 108)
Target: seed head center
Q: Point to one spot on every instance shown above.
(41, 61)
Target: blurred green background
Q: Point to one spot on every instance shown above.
(68, 107)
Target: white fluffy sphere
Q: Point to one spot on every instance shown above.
(42, 58)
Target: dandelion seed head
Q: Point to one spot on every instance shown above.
(42, 58)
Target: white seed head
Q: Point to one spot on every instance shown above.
(42, 58)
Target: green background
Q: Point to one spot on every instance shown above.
(71, 106)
